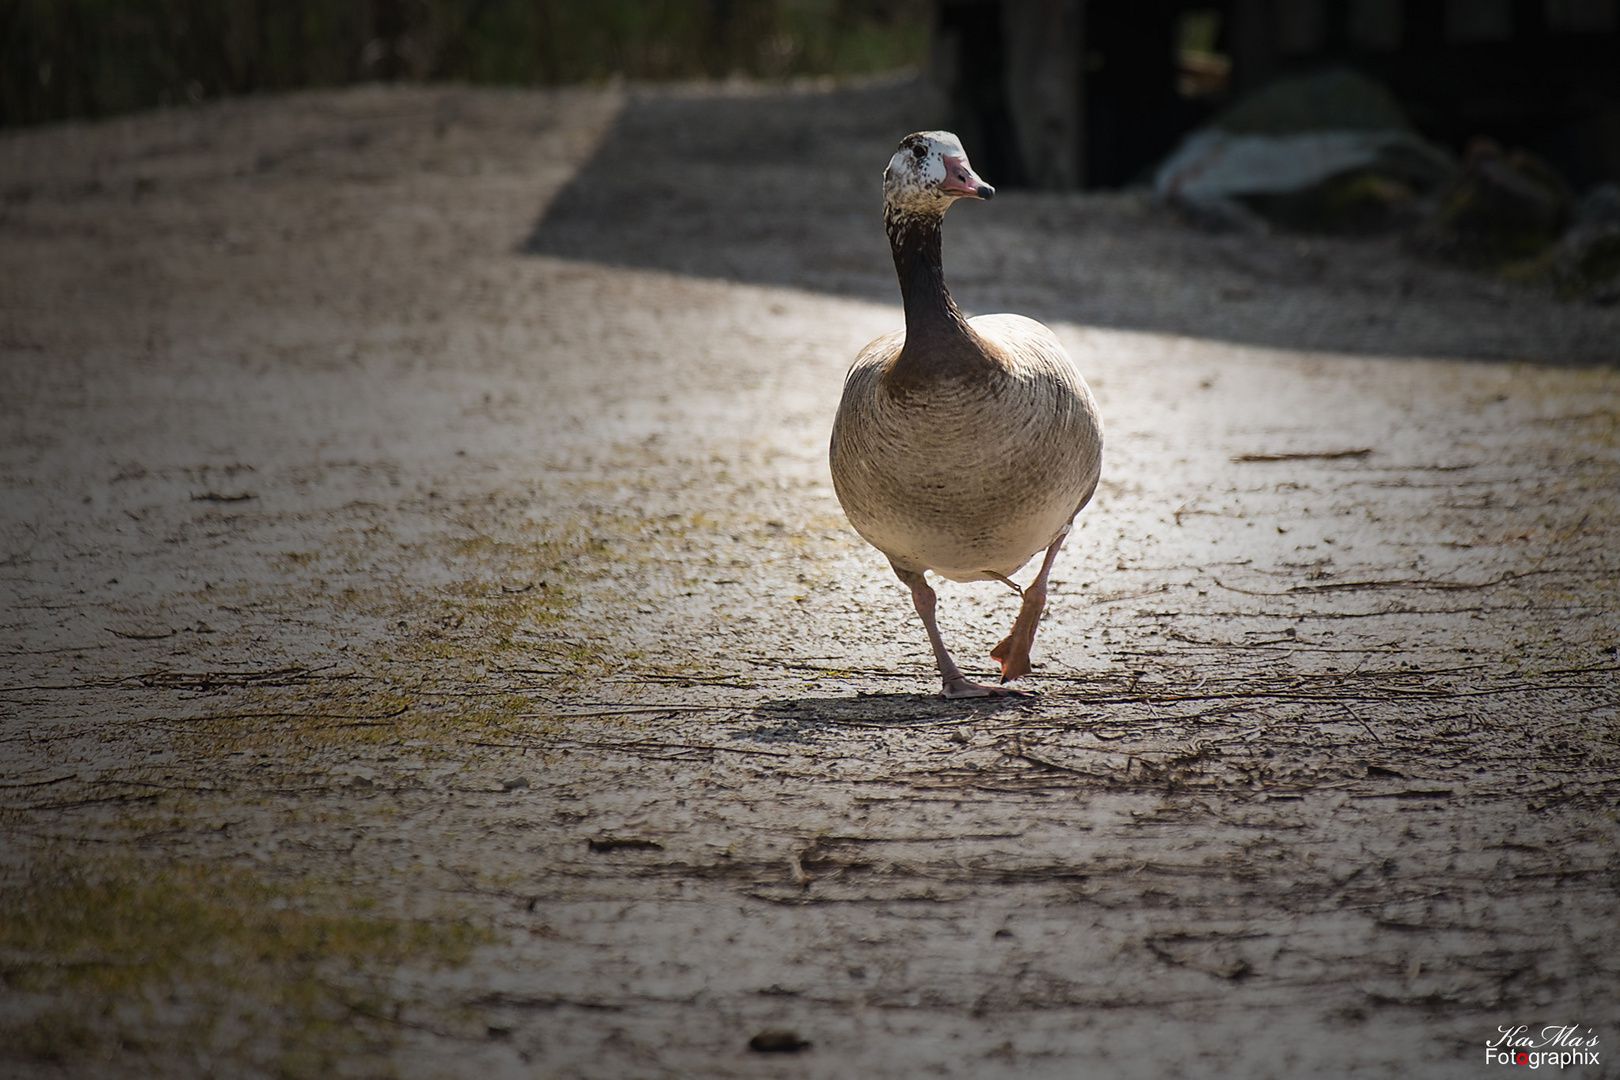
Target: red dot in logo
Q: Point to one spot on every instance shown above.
(1520, 1057)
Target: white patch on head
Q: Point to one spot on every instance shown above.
(912, 182)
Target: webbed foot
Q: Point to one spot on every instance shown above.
(963, 687)
(1013, 652)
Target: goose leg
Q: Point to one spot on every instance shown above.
(953, 683)
(1013, 652)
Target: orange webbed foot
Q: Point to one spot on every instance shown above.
(1013, 652)
(1013, 655)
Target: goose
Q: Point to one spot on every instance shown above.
(961, 446)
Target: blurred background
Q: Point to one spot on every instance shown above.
(1051, 93)
(73, 58)
(1098, 92)
(1484, 132)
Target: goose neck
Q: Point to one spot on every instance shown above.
(914, 239)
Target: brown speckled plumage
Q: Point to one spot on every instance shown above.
(967, 474)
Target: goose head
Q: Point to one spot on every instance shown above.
(928, 172)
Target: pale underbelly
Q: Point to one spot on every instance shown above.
(963, 534)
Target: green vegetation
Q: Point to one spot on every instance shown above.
(280, 979)
(73, 58)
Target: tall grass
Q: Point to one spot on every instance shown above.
(73, 58)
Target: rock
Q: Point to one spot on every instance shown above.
(1334, 99)
(1329, 181)
(1501, 208)
(1599, 207)
(1215, 163)
(1586, 262)
(1330, 152)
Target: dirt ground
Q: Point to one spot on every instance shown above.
(432, 646)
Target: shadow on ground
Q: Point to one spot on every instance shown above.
(780, 186)
(772, 187)
(809, 719)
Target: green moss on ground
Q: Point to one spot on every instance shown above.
(209, 962)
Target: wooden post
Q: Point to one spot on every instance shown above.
(1045, 87)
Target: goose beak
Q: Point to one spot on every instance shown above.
(960, 180)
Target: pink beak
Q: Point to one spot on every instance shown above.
(960, 180)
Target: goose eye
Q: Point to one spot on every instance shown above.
(919, 151)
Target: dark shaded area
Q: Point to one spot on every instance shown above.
(1128, 93)
(1133, 115)
(1543, 75)
(884, 710)
(980, 112)
(1540, 75)
(811, 720)
(775, 187)
(783, 187)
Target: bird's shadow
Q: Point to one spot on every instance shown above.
(810, 719)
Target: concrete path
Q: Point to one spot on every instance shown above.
(432, 646)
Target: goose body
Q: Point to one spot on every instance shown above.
(961, 446)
